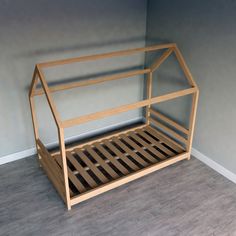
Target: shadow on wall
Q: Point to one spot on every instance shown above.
(81, 46)
(38, 31)
(98, 46)
(169, 77)
(90, 76)
(152, 40)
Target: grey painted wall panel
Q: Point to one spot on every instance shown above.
(205, 31)
(34, 31)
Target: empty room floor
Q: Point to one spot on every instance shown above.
(187, 198)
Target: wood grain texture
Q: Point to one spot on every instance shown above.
(65, 86)
(125, 108)
(149, 95)
(169, 121)
(160, 60)
(106, 55)
(103, 165)
(186, 199)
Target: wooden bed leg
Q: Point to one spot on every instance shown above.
(189, 157)
(192, 122)
(35, 126)
(64, 164)
(33, 114)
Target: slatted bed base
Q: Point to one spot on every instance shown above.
(113, 161)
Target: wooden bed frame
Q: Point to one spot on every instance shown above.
(85, 170)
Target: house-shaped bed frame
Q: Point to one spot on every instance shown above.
(87, 169)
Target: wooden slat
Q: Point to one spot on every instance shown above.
(58, 186)
(91, 182)
(148, 146)
(160, 60)
(126, 179)
(106, 55)
(130, 152)
(169, 121)
(53, 170)
(79, 186)
(94, 169)
(116, 163)
(156, 143)
(184, 67)
(53, 167)
(102, 163)
(124, 158)
(50, 162)
(54, 177)
(172, 95)
(92, 81)
(125, 108)
(170, 131)
(168, 141)
(139, 149)
(102, 137)
(58, 161)
(192, 120)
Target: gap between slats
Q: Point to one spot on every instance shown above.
(117, 156)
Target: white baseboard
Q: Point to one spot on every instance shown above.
(17, 156)
(32, 151)
(215, 166)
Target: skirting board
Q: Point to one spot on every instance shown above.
(215, 166)
(32, 151)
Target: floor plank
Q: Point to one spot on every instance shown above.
(187, 198)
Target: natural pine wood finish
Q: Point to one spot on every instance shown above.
(134, 158)
(94, 81)
(85, 170)
(125, 108)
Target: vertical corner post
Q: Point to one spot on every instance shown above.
(61, 137)
(192, 121)
(32, 109)
(149, 96)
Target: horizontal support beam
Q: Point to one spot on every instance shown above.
(105, 55)
(53, 171)
(168, 130)
(92, 81)
(169, 121)
(125, 108)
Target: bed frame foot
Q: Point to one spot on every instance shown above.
(68, 207)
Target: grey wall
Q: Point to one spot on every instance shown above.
(35, 31)
(205, 31)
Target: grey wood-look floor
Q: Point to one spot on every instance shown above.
(187, 198)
